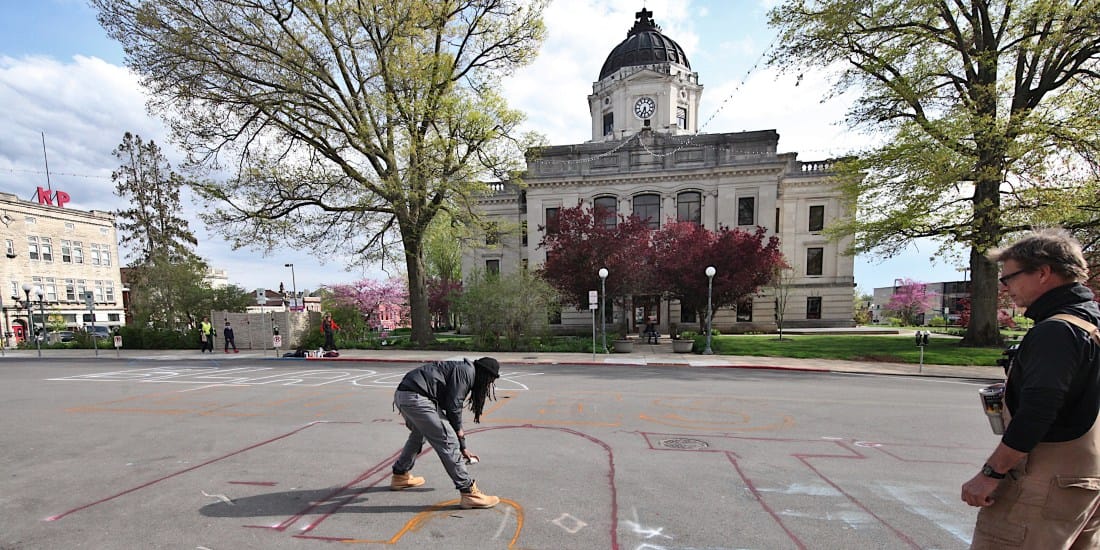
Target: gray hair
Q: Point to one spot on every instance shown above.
(1053, 247)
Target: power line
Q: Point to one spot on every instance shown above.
(52, 173)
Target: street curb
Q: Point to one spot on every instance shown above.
(976, 376)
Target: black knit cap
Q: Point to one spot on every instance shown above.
(489, 364)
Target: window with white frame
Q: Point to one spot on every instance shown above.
(32, 247)
(51, 289)
(99, 291)
(78, 252)
(94, 253)
(11, 248)
(47, 249)
(110, 291)
(66, 252)
(70, 290)
(105, 251)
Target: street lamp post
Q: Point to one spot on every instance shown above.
(710, 271)
(41, 316)
(27, 290)
(603, 305)
(293, 286)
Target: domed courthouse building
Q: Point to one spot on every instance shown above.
(646, 157)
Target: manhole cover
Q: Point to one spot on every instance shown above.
(688, 444)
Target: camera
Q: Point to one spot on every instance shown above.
(1007, 356)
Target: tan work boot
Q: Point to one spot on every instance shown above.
(474, 498)
(405, 481)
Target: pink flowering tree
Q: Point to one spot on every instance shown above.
(911, 299)
(369, 297)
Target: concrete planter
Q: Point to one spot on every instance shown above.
(623, 346)
(683, 346)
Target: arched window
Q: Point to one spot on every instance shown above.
(689, 207)
(606, 209)
(648, 208)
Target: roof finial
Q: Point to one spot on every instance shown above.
(643, 21)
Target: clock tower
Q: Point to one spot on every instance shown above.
(646, 84)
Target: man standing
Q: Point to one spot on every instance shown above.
(1041, 486)
(329, 328)
(430, 398)
(229, 338)
(206, 335)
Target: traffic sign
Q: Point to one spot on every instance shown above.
(277, 341)
(118, 341)
(593, 297)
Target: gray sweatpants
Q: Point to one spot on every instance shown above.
(426, 421)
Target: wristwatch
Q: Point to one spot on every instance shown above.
(988, 471)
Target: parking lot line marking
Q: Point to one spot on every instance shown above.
(186, 470)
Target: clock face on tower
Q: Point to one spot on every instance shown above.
(644, 107)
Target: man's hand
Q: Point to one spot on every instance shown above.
(471, 458)
(978, 491)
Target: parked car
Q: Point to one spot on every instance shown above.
(100, 332)
(60, 336)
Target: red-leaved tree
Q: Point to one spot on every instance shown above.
(367, 296)
(743, 262)
(1004, 317)
(442, 294)
(581, 245)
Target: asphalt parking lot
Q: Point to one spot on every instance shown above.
(250, 453)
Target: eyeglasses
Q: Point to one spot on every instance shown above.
(1004, 280)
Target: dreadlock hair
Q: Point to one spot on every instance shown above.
(484, 387)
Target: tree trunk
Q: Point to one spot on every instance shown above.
(986, 228)
(983, 329)
(421, 317)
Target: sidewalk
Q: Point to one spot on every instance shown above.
(652, 355)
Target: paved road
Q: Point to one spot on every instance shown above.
(177, 451)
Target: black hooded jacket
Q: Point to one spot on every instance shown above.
(1053, 389)
(445, 383)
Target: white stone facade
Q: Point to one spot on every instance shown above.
(644, 113)
(65, 252)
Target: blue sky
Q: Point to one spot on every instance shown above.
(60, 75)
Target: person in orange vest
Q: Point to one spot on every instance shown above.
(329, 328)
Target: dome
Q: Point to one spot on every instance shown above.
(644, 45)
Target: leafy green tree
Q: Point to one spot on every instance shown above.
(231, 298)
(986, 111)
(350, 125)
(510, 308)
(443, 265)
(169, 294)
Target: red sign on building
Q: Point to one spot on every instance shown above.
(47, 197)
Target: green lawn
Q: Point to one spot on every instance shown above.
(894, 349)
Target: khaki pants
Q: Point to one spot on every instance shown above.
(1049, 501)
